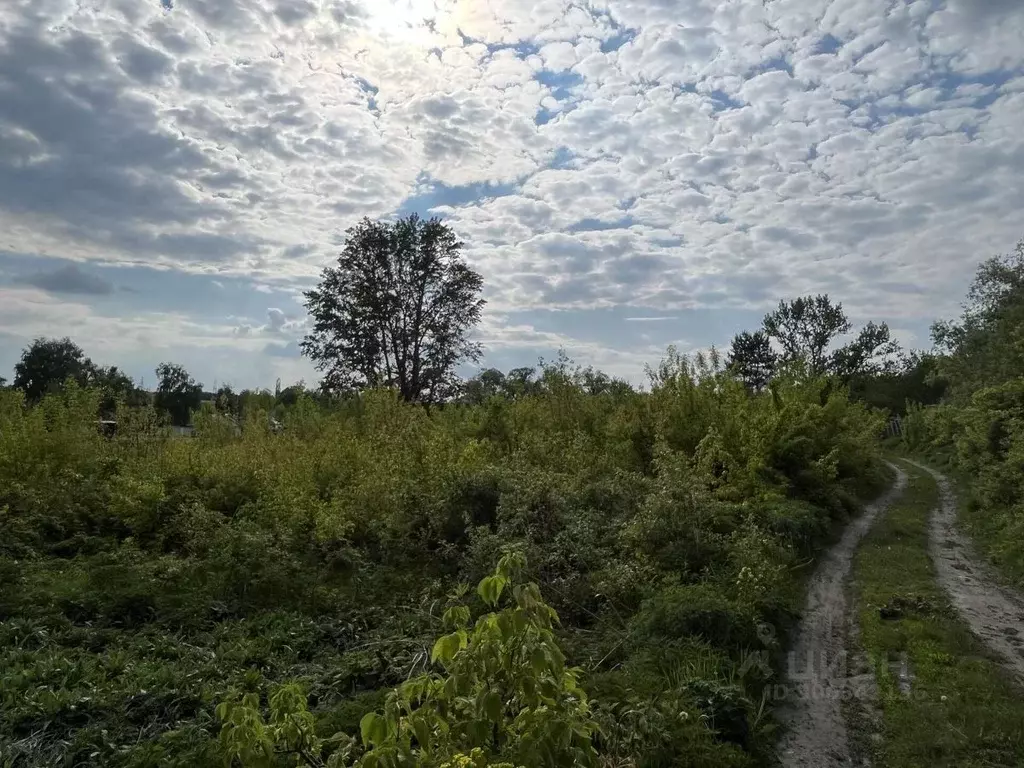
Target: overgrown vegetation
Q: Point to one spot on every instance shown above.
(943, 701)
(979, 427)
(297, 577)
(288, 586)
(507, 694)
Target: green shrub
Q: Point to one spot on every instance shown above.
(322, 554)
(697, 610)
(507, 697)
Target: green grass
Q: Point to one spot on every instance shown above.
(961, 710)
(996, 532)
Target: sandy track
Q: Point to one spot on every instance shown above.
(818, 673)
(994, 613)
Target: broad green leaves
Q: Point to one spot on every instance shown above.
(507, 699)
(248, 740)
(492, 706)
(373, 729)
(490, 589)
(457, 616)
(507, 694)
(447, 646)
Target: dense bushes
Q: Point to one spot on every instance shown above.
(984, 439)
(979, 429)
(507, 699)
(149, 578)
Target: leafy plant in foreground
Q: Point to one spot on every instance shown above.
(506, 698)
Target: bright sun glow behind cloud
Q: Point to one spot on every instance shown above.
(408, 21)
(601, 159)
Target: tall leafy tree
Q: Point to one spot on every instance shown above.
(752, 359)
(804, 328)
(47, 363)
(805, 331)
(177, 393)
(870, 353)
(396, 310)
(486, 384)
(985, 346)
(519, 382)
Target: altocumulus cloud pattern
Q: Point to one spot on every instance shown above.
(174, 172)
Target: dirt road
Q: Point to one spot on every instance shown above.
(818, 673)
(994, 613)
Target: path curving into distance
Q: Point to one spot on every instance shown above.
(818, 674)
(994, 613)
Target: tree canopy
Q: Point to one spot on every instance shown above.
(913, 378)
(804, 332)
(396, 311)
(177, 393)
(752, 359)
(804, 328)
(46, 364)
(985, 346)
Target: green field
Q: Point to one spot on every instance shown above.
(146, 579)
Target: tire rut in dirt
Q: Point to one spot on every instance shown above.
(818, 675)
(995, 613)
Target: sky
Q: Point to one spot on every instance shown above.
(625, 174)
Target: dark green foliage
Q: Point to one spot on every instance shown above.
(46, 364)
(485, 385)
(396, 311)
(915, 378)
(700, 611)
(752, 359)
(117, 388)
(145, 577)
(228, 402)
(800, 336)
(679, 702)
(798, 522)
(869, 353)
(980, 426)
(985, 346)
(177, 393)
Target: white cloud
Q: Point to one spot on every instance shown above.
(657, 154)
(278, 323)
(137, 342)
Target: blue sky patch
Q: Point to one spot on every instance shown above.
(172, 180)
(432, 194)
